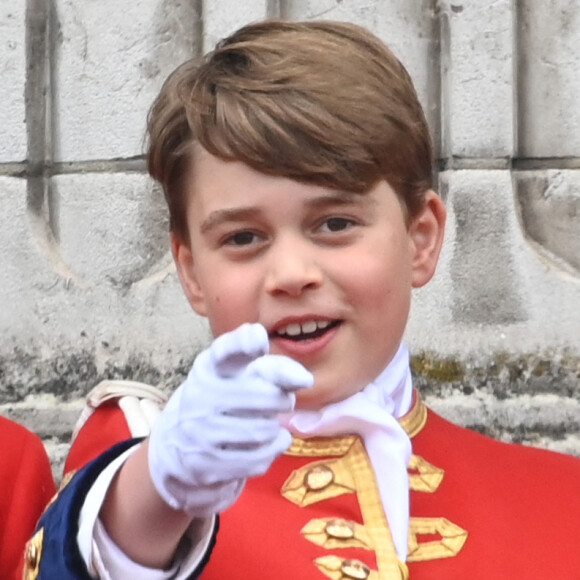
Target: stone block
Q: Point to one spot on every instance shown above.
(495, 293)
(26, 273)
(222, 17)
(484, 268)
(549, 206)
(48, 417)
(65, 326)
(408, 28)
(476, 283)
(110, 61)
(112, 227)
(478, 80)
(549, 79)
(12, 87)
(65, 340)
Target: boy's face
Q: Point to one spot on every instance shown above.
(328, 273)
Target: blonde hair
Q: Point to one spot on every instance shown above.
(320, 102)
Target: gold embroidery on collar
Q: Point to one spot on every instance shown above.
(33, 555)
(452, 539)
(429, 477)
(319, 446)
(322, 533)
(414, 421)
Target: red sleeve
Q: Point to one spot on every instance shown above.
(103, 429)
(27, 487)
(115, 410)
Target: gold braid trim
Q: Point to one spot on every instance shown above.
(319, 446)
(352, 472)
(452, 539)
(429, 477)
(414, 421)
(375, 521)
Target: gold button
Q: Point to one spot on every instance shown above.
(355, 569)
(32, 553)
(318, 478)
(340, 529)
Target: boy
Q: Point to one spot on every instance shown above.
(296, 163)
(27, 486)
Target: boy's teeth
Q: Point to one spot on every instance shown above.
(309, 327)
(292, 330)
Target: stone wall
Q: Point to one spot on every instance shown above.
(87, 286)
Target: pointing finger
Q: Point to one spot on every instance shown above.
(286, 373)
(231, 352)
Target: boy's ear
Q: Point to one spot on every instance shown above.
(426, 231)
(186, 271)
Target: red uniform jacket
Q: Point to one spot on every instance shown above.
(27, 486)
(480, 509)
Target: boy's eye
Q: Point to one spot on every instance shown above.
(241, 239)
(336, 224)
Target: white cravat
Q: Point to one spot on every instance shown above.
(372, 413)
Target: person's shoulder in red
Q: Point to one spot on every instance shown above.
(519, 503)
(27, 486)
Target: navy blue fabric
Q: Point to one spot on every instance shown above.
(61, 558)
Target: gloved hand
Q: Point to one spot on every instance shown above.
(221, 425)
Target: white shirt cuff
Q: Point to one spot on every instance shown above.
(105, 560)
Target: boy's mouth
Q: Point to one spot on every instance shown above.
(307, 330)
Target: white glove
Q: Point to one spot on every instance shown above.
(221, 425)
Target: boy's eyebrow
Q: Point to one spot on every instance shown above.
(340, 198)
(244, 213)
(223, 215)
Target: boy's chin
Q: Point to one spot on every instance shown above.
(308, 401)
(315, 398)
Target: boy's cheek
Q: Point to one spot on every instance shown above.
(224, 317)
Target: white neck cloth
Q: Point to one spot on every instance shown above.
(372, 413)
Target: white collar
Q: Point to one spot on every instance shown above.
(372, 413)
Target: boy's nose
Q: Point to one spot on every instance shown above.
(292, 269)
